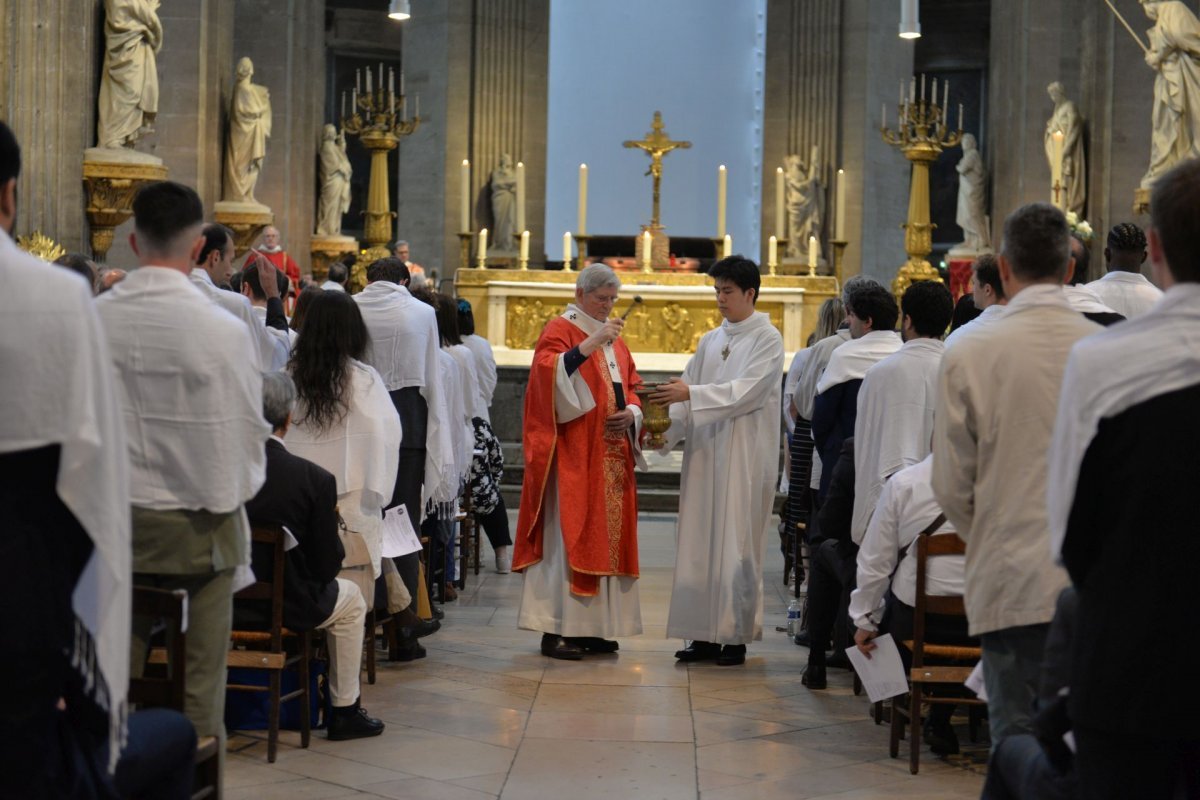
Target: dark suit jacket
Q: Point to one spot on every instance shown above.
(834, 413)
(303, 498)
(833, 519)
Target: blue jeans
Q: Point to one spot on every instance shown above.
(1012, 664)
(1020, 769)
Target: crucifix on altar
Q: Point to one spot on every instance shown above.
(656, 145)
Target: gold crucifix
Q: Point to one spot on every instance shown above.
(656, 145)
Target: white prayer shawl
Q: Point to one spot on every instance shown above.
(978, 325)
(805, 394)
(730, 428)
(1085, 301)
(486, 371)
(476, 405)
(58, 389)
(192, 401)
(894, 425)
(851, 360)
(404, 348)
(270, 355)
(362, 450)
(458, 383)
(1112, 371)
(1128, 293)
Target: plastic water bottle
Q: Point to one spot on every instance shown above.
(793, 617)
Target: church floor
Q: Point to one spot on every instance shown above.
(485, 715)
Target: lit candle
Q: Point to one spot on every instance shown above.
(567, 250)
(812, 252)
(780, 230)
(646, 250)
(582, 227)
(722, 174)
(483, 246)
(841, 205)
(772, 251)
(727, 246)
(520, 195)
(464, 217)
(945, 98)
(524, 245)
(1056, 168)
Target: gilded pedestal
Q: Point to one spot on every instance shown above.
(327, 249)
(111, 178)
(246, 220)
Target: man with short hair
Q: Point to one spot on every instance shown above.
(415, 271)
(725, 407)
(335, 280)
(191, 400)
(1079, 294)
(212, 273)
(1124, 287)
(987, 293)
(404, 350)
(1123, 464)
(997, 396)
(302, 497)
(259, 294)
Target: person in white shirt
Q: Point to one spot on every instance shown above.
(1125, 288)
(191, 401)
(1079, 294)
(212, 274)
(988, 295)
(335, 280)
(887, 558)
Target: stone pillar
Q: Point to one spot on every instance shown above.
(50, 54)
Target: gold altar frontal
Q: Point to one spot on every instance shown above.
(512, 306)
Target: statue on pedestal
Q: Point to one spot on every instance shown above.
(129, 80)
(1066, 118)
(335, 183)
(805, 202)
(504, 205)
(1174, 52)
(249, 129)
(972, 200)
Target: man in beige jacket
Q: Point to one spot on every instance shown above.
(997, 399)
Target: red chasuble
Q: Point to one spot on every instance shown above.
(596, 487)
(287, 265)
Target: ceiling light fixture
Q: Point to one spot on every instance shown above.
(399, 10)
(910, 21)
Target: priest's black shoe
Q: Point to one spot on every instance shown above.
(555, 646)
(839, 660)
(352, 722)
(814, 676)
(419, 629)
(732, 655)
(594, 644)
(698, 651)
(407, 650)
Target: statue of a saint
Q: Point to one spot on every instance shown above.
(335, 183)
(504, 205)
(805, 202)
(1174, 53)
(972, 199)
(129, 83)
(249, 129)
(1074, 169)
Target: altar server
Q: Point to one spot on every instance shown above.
(1125, 288)
(725, 408)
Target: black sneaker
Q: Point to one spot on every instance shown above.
(352, 722)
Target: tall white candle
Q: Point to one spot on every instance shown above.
(722, 175)
(812, 252)
(567, 250)
(391, 80)
(464, 218)
(381, 76)
(922, 87)
(1056, 168)
(945, 98)
(582, 227)
(841, 205)
(354, 102)
(343, 105)
(646, 242)
(520, 195)
(524, 245)
(727, 246)
(358, 80)
(402, 83)
(482, 255)
(368, 81)
(960, 116)
(780, 230)
(772, 251)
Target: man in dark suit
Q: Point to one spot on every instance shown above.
(302, 497)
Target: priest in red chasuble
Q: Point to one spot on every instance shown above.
(576, 536)
(272, 250)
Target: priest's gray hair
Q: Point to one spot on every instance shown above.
(279, 398)
(854, 283)
(596, 276)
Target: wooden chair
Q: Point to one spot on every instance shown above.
(264, 649)
(955, 662)
(166, 684)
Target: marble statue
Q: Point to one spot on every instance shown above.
(129, 79)
(1066, 118)
(972, 199)
(805, 200)
(335, 183)
(249, 129)
(1174, 53)
(504, 205)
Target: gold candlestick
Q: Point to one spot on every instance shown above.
(464, 249)
(581, 240)
(921, 135)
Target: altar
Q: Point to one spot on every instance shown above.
(511, 307)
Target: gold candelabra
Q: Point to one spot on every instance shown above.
(378, 117)
(921, 134)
